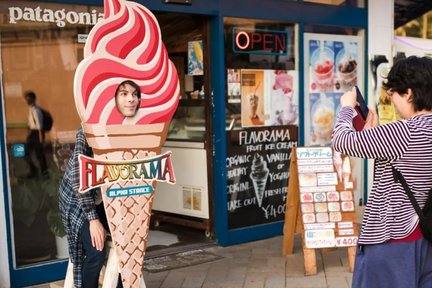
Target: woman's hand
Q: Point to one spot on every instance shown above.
(349, 99)
(372, 120)
(97, 234)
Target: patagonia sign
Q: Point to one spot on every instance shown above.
(95, 173)
(60, 17)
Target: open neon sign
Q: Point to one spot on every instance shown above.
(259, 41)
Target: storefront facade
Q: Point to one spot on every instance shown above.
(250, 92)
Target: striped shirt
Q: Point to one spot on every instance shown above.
(76, 207)
(405, 144)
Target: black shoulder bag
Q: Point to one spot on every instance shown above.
(425, 215)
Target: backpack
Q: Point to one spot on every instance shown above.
(47, 121)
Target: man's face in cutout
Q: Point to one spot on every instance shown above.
(127, 100)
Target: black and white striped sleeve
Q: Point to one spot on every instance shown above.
(388, 141)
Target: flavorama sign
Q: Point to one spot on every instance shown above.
(61, 17)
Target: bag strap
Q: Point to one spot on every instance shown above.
(397, 175)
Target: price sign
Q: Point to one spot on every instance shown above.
(346, 241)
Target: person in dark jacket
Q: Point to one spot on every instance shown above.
(35, 137)
(83, 214)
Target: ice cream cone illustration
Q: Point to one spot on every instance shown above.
(126, 45)
(346, 170)
(337, 162)
(259, 175)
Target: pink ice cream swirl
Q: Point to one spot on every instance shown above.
(126, 44)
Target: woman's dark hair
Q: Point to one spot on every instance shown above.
(134, 85)
(415, 73)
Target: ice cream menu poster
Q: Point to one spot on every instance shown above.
(333, 64)
(326, 198)
(257, 164)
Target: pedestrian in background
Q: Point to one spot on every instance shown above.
(35, 137)
(391, 250)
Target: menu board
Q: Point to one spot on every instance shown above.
(326, 198)
(258, 161)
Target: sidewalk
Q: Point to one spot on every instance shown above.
(258, 264)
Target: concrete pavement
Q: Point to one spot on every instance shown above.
(258, 264)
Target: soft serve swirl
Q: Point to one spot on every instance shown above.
(126, 44)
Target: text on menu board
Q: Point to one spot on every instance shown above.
(314, 153)
(257, 174)
(326, 197)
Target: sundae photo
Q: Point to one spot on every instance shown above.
(284, 110)
(252, 98)
(323, 124)
(259, 174)
(322, 61)
(253, 105)
(322, 119)
(347, 72)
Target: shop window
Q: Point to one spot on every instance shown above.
(333, 64)
(261, 118)
(186, 44)
(260, 56)
(40, 56)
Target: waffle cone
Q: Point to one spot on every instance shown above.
(128, 217)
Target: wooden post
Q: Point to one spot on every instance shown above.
(293, 222)
(310, 266)
(351, 258)
(292, 208)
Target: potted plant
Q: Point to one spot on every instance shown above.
(27, 201)
(50, 186)
(29, 214)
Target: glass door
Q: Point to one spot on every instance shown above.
(39, 57)
(262, 118)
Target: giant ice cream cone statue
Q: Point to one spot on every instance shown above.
(126, 45)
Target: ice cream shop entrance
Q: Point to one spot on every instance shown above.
(186, 206)
(42, 56)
